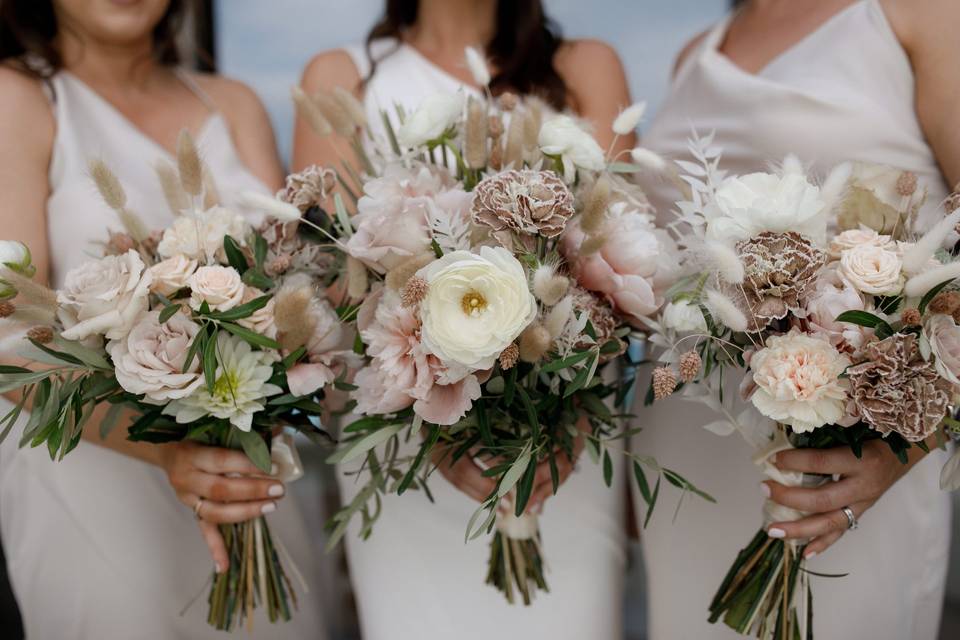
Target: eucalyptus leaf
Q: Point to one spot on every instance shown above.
(255, 447)
(514, 473)
(360, 446)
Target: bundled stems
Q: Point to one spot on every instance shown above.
(516, 563)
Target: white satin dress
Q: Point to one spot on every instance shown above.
(98, 547)
(415, 578)
(846, 92)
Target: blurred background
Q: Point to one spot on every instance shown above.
(266, 44)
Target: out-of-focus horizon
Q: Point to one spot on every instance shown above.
(266, 44)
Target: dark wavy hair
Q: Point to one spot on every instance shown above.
(522, 48)
(28, 32)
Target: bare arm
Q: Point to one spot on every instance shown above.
(598, 89)
(325, 71)
(927, 30)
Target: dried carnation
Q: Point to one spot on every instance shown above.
(7, 309)
(896, 391)
(664, 382)
(278, 265)
(523, 202)
(945, 302)
(509, 357)
(41, 335)
(690, 364)
(778, 269)
(414, 291)
(308, 188)
(602, 318)
(911, 317)
(907, 184)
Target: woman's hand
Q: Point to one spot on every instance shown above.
(862, 482)
(467, 475)
(221, 486)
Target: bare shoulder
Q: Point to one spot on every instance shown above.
(236, 100)
(329, 69)
(28, 118)
(688, 50)
(577, 58)
(920, 24)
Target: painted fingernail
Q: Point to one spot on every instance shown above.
(811, 555)
(765, 489)
(270, 507)
(275, 490)
(776, 533)
(274, 469)
(218, 567)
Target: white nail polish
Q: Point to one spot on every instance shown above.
(765, 489)
(776, 533)
(217, 567)
(274, 469)
(270, 507)
(275, 490)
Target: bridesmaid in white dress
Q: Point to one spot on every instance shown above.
(415, 577)
(831, 81)
(98, 546)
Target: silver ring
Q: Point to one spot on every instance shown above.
(197, 507)
(851, 518)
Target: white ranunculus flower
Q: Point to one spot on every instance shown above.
(476, 305)
(149, 360)
(798, 381)
(436, 114)
(684, 317)
(561, 136)
(16, 256)
(220, 287)
(201, 237)
(239, 391)
(105, 296)
(872, 269)
(745, 206)
(943, 335)
(172, 274)
(855, 237)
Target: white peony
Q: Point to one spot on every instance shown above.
(433, 117)
(561, 136)
(684, 317)
(172, 274)
(105, 296)
(798, 381)
(745, 206)
(476, 305)
(201, 237)
(856, 237)
(872, 269)
(239, 391)
(220, 287)
(149, 360)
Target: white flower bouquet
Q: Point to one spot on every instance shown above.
(209, 330)
(497, 263)
(840, 337)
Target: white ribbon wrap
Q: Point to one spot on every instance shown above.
(283, 453)
(763, 458)
(524, 527)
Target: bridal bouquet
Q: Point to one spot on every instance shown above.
(839, 338)
(208, 330)
(497, 263)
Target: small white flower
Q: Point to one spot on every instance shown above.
(239, 391)
(277, 209)
(478, 66)
(684, 317)
(433, 117)
(172, 274)
(561, 136)
(16, 256)
(475, 306)
(629, 119)
(220, 287)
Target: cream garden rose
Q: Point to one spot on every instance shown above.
(172, 274)
(220, 287)
(475, 306)
(105, 296)
(150, 359)
(872, 269)
(943, 335)
(858, 237)
(798, 381)
(201, 236)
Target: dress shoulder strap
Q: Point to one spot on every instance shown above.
(191, 83)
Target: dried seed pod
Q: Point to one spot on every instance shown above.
(595, 209)
(189, 165)
(535, 341)
(310, 112)
(475, 138)
(664, 382)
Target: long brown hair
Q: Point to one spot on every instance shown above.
(28, 32)
(522, 47)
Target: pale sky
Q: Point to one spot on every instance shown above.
(266, 43)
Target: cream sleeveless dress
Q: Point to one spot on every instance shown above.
(846, 92)
(415, 577)
(98, 547)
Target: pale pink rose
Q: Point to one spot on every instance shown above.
(944, 336)
(149, 361)
(261, 320)
(392, 216)
(633, 268)
(832, 295)
(172, 274)
(220, 287)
